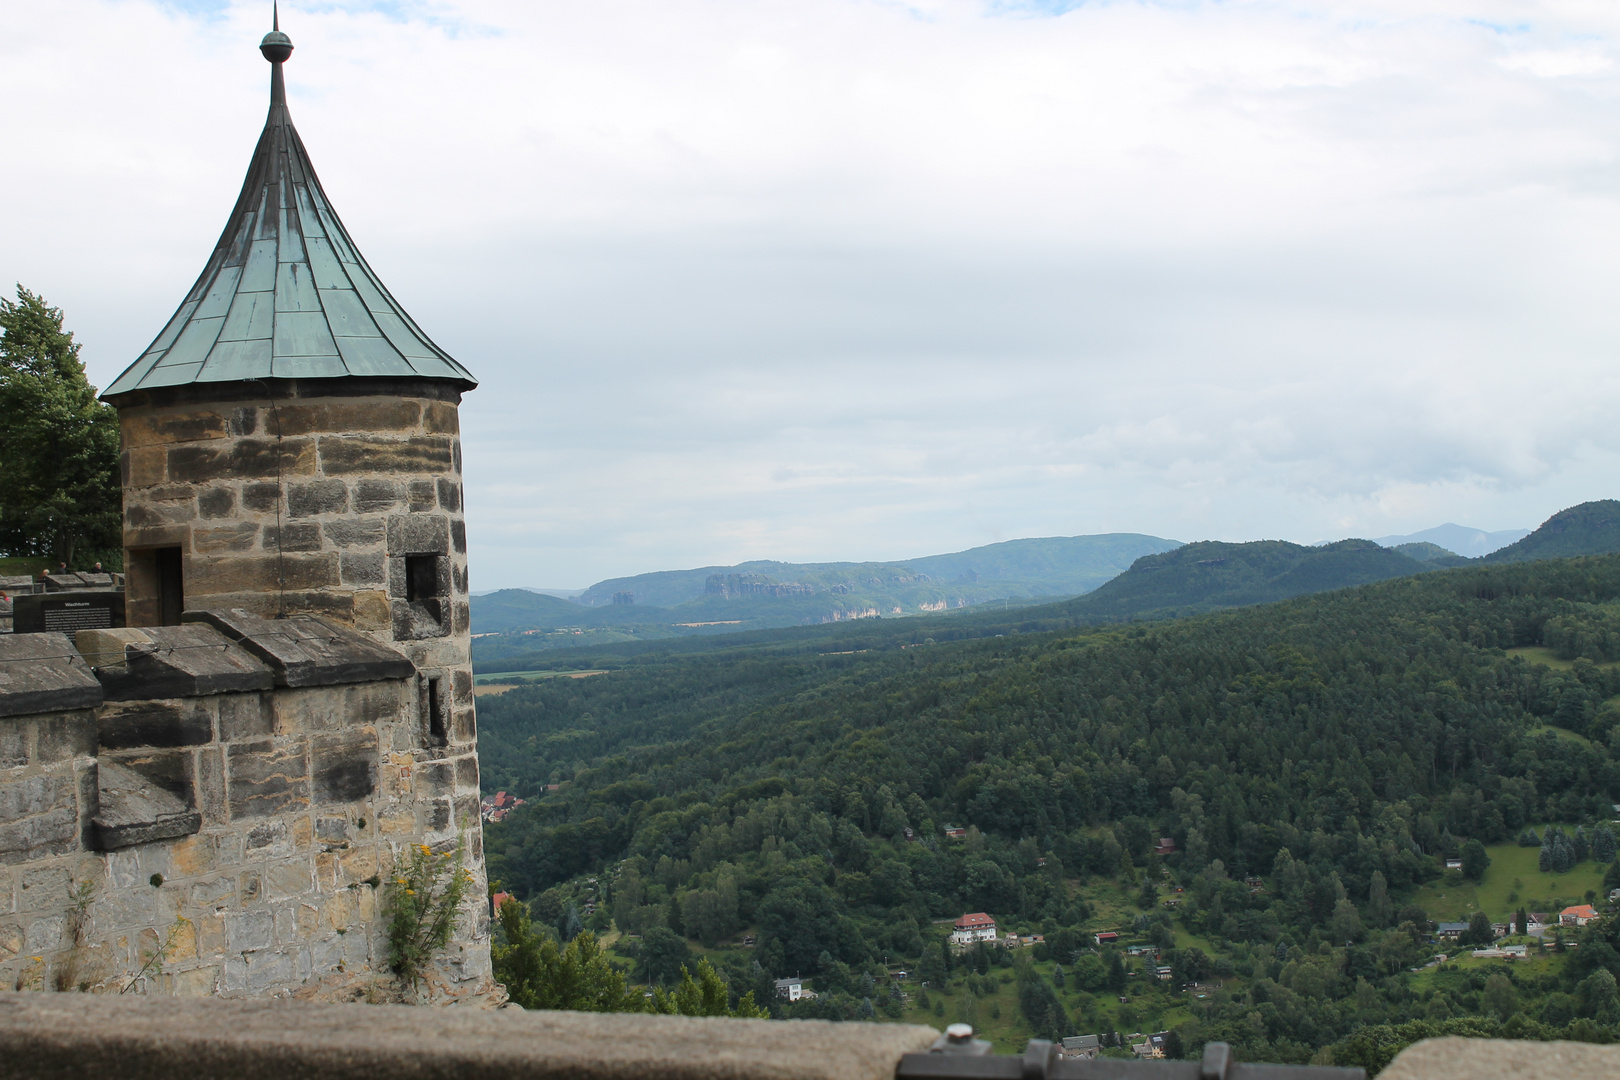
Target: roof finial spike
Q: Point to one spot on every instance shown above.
(276, 47)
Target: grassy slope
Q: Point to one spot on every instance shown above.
(1512, 873)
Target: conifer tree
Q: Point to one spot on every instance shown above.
(59, 484)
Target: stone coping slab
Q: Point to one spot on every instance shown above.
(72, 1035)
(133, 810)
(171, 662)
(1503, 1059)
(303, 650)
(44, 673)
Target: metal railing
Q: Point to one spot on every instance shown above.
(957, 1055)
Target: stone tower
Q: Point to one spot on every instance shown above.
(291, 440)
(291, 449)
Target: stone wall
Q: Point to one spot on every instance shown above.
(246, 785)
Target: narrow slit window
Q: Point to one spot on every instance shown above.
(435, 711)
(170, 586)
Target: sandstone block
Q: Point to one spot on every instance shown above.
(290, 879)
(458, 536)
(258, 574)
(249, 930)
(380, 414)
(123, 725)
(371, 611)
(372, 495)
(261, 498)
(155, 429)
(244, 459)
(467, 773)
(245, 716)
(243, 421)
(157, 515)
(213, 892)
(449, 494)
(345, 766)
(62, 738)
(422, 496)
(418, 534)
(438, 815)
(397, 820)
(317, 497)
(14, 737)
(363, 568)
(195, 982)
(440, 418)
(347, 455)
(300, 537)
(224, 539)
(332, 830)
(266, 779)
(210, 787)
(216, 502)
(355, 532)
(145, 466)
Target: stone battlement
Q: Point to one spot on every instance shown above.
(243, 786)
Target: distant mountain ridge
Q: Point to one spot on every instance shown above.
(1044, 566)
(753, 595)
(1120, 576)
(1459, 539)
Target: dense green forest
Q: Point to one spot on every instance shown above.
(1315, 760)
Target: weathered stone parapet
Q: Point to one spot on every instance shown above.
(1503, 1059)
(244, 795)
(60, 1036)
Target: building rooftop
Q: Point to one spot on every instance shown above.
(286, 294)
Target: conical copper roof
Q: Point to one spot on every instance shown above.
(286, 294)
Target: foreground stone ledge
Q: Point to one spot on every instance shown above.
(76, 1035)
(1503, 1059)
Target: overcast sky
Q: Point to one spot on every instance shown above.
(858, 279)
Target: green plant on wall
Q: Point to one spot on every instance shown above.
(420, 905)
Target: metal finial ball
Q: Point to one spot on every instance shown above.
(276, 46)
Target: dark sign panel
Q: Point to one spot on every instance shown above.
(67, 611)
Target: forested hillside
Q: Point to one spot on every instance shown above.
(1332, 747)
(1592, 528)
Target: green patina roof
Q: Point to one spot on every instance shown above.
(286, 294)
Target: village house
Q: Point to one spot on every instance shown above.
(952, 832)
(1165, 846)
(792, 989)
(974, 927)
(1107, 937)
(1453, 864)
(1082, 1047)
(495, 807)
(1450, 931)
(1151, 1047)
(1579, 915)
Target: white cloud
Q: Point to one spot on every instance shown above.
(849, 278)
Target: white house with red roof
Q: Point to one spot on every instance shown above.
(975, 927)
(1579, 915)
